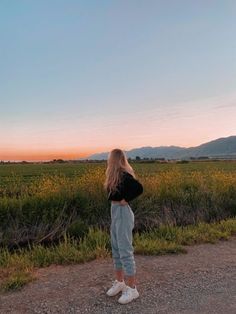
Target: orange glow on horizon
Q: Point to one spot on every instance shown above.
(43, 156)
(66, 154)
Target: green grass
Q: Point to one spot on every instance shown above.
(34, 196)
(192, 234)
(146, 245)
(30, 172)
(17, 268)
(17, 280)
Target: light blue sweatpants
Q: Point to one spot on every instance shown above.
(122, 224)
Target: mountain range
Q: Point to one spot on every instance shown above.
(221, 147)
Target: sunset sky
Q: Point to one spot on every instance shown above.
(79, 77)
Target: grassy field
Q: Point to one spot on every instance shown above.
(40, 201)
(59, 213)
(28, 172)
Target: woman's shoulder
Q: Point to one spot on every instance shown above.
(127, 174)
(127, 177)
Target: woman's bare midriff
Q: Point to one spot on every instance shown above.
(119, 202)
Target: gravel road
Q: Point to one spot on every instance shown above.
(201, 281)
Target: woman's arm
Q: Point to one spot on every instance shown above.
(132, 188)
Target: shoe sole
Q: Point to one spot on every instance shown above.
(130, 300)
(113, 295)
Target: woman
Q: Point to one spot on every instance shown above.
(122, 187)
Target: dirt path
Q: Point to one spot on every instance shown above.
(201, 281)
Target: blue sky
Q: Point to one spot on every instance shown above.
(84, 76)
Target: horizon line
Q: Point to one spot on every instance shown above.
(101, 152)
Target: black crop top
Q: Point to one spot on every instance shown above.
(128, 189)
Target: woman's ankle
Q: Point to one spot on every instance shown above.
(131, 286)
(119, 275)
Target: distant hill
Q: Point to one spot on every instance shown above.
(222, 146)
(225, 146)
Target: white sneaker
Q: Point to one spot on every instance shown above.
(117, 286)
(128, 294)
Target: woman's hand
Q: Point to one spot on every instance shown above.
(123, 202)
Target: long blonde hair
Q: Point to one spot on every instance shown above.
(117, 163)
